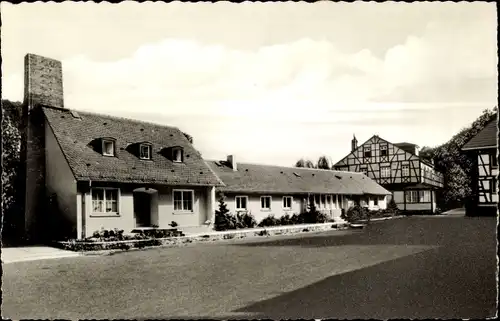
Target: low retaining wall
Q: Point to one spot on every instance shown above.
(86, 246)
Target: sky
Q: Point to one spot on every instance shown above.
(267, 82)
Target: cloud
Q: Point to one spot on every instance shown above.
(307, 93)
(448, 60)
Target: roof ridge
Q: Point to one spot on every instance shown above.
(290, 167)
(83, 112)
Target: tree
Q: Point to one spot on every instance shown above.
(12, 191)
(456, 166)
(223, 219)
(323, 163)
(304, 163)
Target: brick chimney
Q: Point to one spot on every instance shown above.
(43, 85)
(232, 162)
(43, 81)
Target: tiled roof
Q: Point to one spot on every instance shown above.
(292, 180)
(485, 138)
(75, 131)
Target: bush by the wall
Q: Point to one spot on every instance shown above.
(158, 233)
(270, 221)
(245, 220)
(356, 213)
(312, 215)
(392, 207)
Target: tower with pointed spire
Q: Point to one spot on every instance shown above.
(354, 143)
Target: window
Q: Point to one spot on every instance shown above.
(375, 201)
(105, 200)
(383, 150)
(145, 151)
(385, 171)
(177, 155)
(323, 201)
(328, 201)
(108, 147)
(265, 202)
(364, 170)
(241, 203)
(405, 170)
(183, 200)
(417, 196)
(287, 202)
(425, 196)
(494, 161)
(367, 151)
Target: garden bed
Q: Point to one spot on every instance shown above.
(96, 244)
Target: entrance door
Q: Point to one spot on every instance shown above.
(142, 209)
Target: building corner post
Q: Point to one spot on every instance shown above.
(211, 203)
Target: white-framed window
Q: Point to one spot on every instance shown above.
(375, 201)
(287, 202)
(405, 170)
(425, 196)
(177, 155)
(145, 151)
(385, 171)
(383, 150)
(413, 196)
(105, 200)
(183, 200)
(241, 203)
(108, 147)
(265, 203)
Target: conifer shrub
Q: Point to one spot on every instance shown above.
(224, 220)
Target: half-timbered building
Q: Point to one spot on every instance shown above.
(483, 150)
(398, 168)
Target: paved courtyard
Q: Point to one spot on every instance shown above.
(416, 267)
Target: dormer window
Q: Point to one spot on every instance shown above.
(177, 155)
(145, 151)
(108, 147)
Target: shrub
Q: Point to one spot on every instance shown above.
(313, 215)
(223, 219)
(297, 219)
(392, 207)
(269, 221)
(173, 224)
(262, 233)
(356, 213)
(286, 220)
(245, 220)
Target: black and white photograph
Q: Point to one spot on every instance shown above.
(249, 160)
